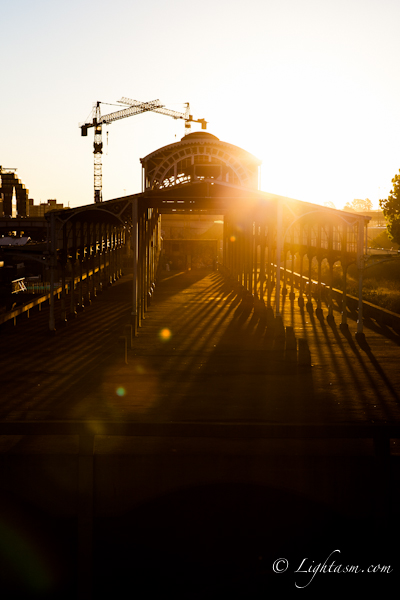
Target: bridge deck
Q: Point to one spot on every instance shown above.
(199, 356)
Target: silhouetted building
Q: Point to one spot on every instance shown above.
(10, 185)
(44, 207)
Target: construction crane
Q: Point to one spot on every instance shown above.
(135, 107)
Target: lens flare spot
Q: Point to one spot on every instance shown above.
(165, 334)
(232, 238)
(120, 391)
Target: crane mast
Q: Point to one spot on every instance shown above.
(135, 107)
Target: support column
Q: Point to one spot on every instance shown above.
(255, 238)
(309, 295)
(245, 257)
(319, 311)
(87, 263)
(72, 308)
(119, 246)
(148, 260)
(360, 267)
(81, 256)
(114, 256)
(115, 261)
(107, 259)
(101, 257)
(99, 273)
(278, 256)
(237, 245)
(63, 289)
(262, 261)
(225, 238)
(292, 292)
(343, 324)
(145, 262)
(344, 263)
(331, 262)
(64, 260)
(142, 262)
(104, 256)
(134, 246)
(269, 264)
(242, 254)
(81, 302)
(251, 256)
(300, 300)
(330, 317)
(93, 257)
(284, 290)
(53, 268)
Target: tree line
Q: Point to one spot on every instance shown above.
(391, 210)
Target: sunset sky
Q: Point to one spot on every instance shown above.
(310, 87)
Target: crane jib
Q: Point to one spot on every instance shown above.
(134, 108)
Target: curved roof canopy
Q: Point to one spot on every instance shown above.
(200, 156)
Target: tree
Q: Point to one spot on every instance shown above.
(382, 241)
(329, 204)
(359, 205)
(391, 210)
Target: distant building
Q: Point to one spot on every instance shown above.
(13, 194)
(14, 201)
(42, 208)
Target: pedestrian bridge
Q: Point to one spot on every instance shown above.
(199, 424)
(266, 238)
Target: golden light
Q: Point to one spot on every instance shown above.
(165, 334)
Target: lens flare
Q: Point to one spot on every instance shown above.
(120, 391)
(232, 238)
(165, 334)
(21, 554)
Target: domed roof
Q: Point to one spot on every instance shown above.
(199, 134)
(200, 156)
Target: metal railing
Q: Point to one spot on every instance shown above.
(40, 288)
(18, 285)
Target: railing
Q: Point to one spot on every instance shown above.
(42, 288)
(19, 310)
(39, 287)
(18, 285)
(372, 311)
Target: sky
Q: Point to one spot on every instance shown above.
(310, 87)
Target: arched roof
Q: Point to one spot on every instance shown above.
(200, 156)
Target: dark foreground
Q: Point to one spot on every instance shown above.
(202, 512)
